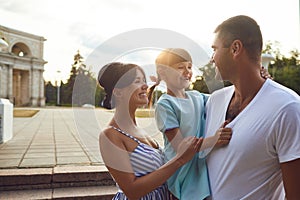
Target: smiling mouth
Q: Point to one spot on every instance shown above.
(143, 94)
(185, 78)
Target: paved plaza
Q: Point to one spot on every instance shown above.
(57, 136)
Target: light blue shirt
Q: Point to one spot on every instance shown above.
(191, 180)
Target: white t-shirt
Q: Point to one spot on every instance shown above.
(265, 134)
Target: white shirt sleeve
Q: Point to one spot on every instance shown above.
(287, 135)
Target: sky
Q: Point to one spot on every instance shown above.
(72, 25)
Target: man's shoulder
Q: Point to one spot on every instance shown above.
(222, 91)
(282, 90)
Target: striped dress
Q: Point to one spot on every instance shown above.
(144, 160)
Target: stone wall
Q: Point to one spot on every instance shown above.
(22, 67)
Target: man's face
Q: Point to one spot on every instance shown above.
(220, 58)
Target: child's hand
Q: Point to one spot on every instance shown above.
(224, 135)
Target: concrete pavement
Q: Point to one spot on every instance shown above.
(59, 136)
(55, 155)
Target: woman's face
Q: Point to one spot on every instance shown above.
(137, 91)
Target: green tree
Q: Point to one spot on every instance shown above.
(285, 70)
(50, 93)
(207, 83)
(67, 88)
(81, 87)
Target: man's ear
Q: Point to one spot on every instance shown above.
(236, 46)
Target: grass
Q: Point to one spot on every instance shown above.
(24, 113)
(144, 113)
(141, 112)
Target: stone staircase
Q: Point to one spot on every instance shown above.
(65, 182)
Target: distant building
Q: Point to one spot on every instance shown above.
(22, 67)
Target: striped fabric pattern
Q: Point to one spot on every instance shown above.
(144, 160)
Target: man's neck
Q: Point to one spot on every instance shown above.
(248, 84)
(246, 88)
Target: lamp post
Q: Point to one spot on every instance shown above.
(266, 59)
(3, 47)
(58, 83)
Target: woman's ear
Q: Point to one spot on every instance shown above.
(117, 92)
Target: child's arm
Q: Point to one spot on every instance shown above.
(222, 137)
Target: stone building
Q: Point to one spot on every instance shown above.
(22, 67)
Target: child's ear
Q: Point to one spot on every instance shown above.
(162, 73)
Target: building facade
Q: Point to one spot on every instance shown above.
(22, 67)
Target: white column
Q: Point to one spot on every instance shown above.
(34, 87)
(42, 100)
(1, 86)
(10, 83)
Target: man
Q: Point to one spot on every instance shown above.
(262, 158)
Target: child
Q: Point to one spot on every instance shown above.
(179, 114)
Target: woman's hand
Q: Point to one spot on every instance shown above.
(187, 148)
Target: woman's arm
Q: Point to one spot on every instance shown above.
(222, 137)
(120, 167)
(174, 137)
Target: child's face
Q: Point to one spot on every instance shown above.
(180, 75)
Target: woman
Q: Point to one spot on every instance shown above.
(134, 160)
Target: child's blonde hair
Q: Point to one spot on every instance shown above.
(167, 58)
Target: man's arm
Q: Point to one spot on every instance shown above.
(291, 178)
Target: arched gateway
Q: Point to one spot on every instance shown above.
(22, 67)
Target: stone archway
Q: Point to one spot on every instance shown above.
(21, 50)
(22, 67)
(21, 87)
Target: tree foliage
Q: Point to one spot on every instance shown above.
(50, 93)
(81, 87)
(284, 70)
(206, 83)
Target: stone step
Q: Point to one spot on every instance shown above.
(51, 178)
(68, 193)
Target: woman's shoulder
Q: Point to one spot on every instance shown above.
(111, 134)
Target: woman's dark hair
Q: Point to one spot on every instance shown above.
(167, 58)
(116, 75)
